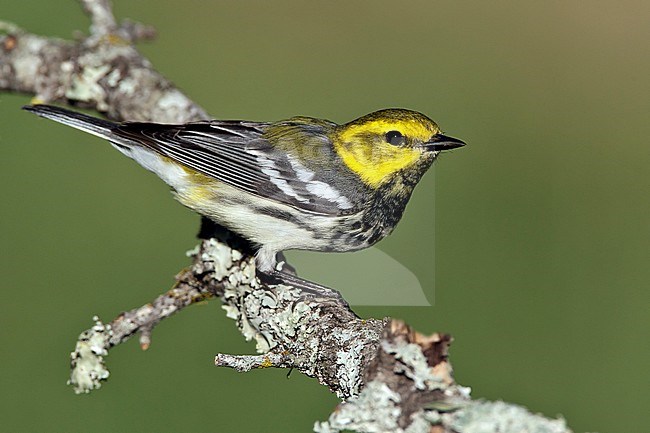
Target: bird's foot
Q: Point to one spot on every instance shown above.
(308, 288)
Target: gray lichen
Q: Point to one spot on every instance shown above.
(414, 365)
(87, 359)
(350, 362)
(375, 409)
(500, 417)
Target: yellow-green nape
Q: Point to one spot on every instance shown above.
(396, 114)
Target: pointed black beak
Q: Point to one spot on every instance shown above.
(442, 142)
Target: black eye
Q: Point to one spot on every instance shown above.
(395, 138)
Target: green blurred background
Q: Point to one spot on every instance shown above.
(541, 228)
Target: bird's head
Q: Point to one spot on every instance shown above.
(381, 145)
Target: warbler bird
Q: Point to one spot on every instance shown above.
(301, 183)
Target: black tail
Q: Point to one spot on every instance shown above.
(93, 125)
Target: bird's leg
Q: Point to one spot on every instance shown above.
(286, 267)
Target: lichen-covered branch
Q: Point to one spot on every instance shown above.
(103, 71)
(87, 359)
(389, 377)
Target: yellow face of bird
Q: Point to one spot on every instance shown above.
(380, 144)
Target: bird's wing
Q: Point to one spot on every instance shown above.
(238, 154)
